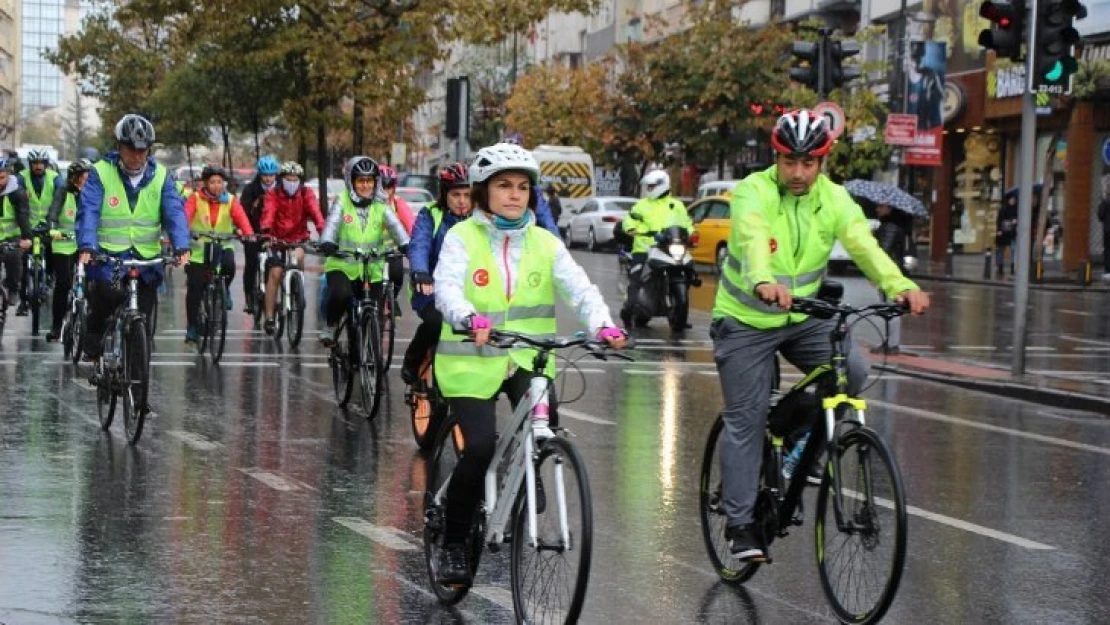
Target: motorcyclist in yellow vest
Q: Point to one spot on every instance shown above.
(784, 223)
(127, 201)
(498, 270)
(657, 211)
(357, 223)
(62, 218)
(15, 225)
(211, 209)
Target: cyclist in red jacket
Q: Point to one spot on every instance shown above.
(286, 213)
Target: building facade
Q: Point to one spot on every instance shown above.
(9, 72)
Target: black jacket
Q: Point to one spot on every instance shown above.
(1104, 213)
(18, 199)
(252, 198)
(892, 238)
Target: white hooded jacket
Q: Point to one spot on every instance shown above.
(571, 281)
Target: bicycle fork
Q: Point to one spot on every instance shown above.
(830, 406)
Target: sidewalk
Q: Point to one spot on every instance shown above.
(968, 269)
(1050, 390)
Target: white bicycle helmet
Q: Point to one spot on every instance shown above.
(501, 157)
(38, 156)
(135, 131)
(656, 183)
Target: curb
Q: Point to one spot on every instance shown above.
(1047, 396)
(1063, 288)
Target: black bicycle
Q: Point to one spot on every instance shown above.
(76, 318)
(34, 276)
(357, 343)
(123, 370)
(860, 527)
(212, 314)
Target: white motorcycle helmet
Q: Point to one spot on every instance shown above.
(655, 183)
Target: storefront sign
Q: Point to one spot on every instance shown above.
(926, 95)
(927, 148)
(953, 103)
(1008, 82)
(900, 129)
(606, 181)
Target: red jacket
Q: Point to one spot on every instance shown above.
(286, 218)
(404, 213)
(238, 215)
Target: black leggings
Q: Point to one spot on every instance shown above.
(425, 339)
(478, 420)
(341, 290)
(63, 281)
(103, 300)
(197, 274)
(397, 274)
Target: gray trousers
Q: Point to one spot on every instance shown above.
(746, 365)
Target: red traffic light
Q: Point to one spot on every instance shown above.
(1000, 13)
(756, 108)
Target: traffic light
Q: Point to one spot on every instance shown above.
(1006, 33)
(1053, 39)
(836, 74)
(806, 68)
(766, 108)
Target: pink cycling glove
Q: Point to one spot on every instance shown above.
(480, 322)
(611, 333)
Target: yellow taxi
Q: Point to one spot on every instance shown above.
(711, 226)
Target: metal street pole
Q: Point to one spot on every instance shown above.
(1025, 215)
(462, 147)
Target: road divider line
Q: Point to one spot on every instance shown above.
(275, 481)
(1092, 349)
(244, 363)
(1078, 339)
(1081, 313)
(384, 535)
(936, 416)
(959, 524)
(172, 363)
(581, 416)
(196, 441)
(314, 365)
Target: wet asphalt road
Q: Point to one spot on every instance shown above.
(252, 499)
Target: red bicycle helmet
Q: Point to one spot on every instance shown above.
(388, 176)
(802, 133)
(453, 176)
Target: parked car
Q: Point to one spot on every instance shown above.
(719, 187)
(711, 227)
(416, 197)
(335, 187)
(421, 181)
(593, 224)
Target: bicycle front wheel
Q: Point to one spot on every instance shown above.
(860, 556)
(77, 332)
(550, 576)
(711, 509)
(204, 327)
(439, 468)
(341, 363)
(279, 311)
(217, 322)
(369, 365)
(105, 403)
(38, 295)
(295, 313)
(387, 324)
(136, 379)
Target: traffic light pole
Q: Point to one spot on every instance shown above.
(1025, 220)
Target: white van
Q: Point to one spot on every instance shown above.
(570, 170)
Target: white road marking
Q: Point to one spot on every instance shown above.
(643, 372)
(275, 481)
(1081, 313)
(315, 365)
(581, 416)
(936, 416)
(1078, 339)
(1092, 349)
(7, 362)
(243, 363)
(978, 348)
(84, 384)
(196, 441)
(172, 363)
(386, 536)
(919, 348)
(959, 524)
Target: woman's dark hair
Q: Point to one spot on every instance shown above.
(479, 195)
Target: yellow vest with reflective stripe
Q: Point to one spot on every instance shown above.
(9, 227)
(67, 224)
(797, 262)
(120, 228)
(39, 204)
(202, 224)
(351, 236)
(465, 370)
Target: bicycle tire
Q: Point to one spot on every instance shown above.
(279, 311)
(203, 326)
(105, 403)
(3, 308)
(152, 321)
(136, 380)
(537, 573)
(387, 323)
(340, 362)
(428, 410)
(369, 365)
(37, 289)
(712, 514)
(217, 322)
(295, 323)
(77, 331)
(866, 496)
(67, 334)
(259, 296)
(445, 458)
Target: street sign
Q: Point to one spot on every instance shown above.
(835, 115)
(901, 129)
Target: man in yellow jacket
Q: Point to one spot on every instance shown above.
(784, 223)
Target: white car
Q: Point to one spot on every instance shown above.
(593, 224)
(416, 197)
(720, 187)
(839, 260)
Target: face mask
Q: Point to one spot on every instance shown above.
(268, 187)
(510, 224)
(290, 186)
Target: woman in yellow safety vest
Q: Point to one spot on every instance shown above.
(497, 270)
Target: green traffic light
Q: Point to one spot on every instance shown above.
(1056, 72)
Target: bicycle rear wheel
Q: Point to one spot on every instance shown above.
(38, 290)
(428, 409)
(3, 308)
(279, 311)
(550, 579)
(369, 365)
(340, 361)
(136, 372)
(711, 509)
(217, 322)
(105, 403)
(439, 468)
(861, 562)
(204, 327)
(387, 325)
(295, 323)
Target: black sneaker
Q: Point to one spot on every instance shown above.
(454, 566)
(22, 310)
(52, 337)
(745, 544)
(270, 327)
(626, 319)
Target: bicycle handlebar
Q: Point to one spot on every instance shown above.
(127, 263)
(504, 339)
(359, 255)
(827, 310)
(218, 237)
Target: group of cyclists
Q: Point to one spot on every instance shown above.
(485, 255)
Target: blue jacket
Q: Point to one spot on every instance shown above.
(174, 222)
(426, 242)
